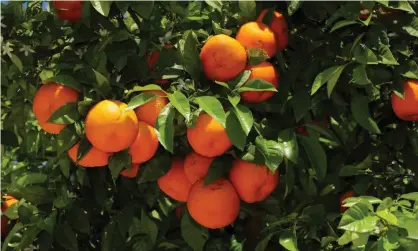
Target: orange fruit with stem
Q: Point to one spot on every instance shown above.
(215, 205)
(145, 145)
(407, 108)
(208, 138)
(253, 182)
(109, 127)
(267, 72)
(223, 58)
(278, 26)
(196, 166)
(175, 183)
(49, 98)
(93, 158)
(258, 35)
(149, 111)
(131, 172)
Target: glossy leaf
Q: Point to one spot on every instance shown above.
(213, 107)
(181, 103)
(165, 127)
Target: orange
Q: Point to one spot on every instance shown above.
(68, 10)
(47, 100)
(130, 173)
(407, 109)
(8, 201)
(344, 196)
(215, 205)
(149, 111)
(175, 183)
(109, 127)
(67, 5)
(196, 166)
(279, 27)
(258, 35)
(267, 72)
(94, 158)
(71, 15)
(145, 145)
(223, 58)
(208, 137)
(253, 182)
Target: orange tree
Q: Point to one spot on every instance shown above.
(209, 125)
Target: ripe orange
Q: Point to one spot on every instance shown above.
(258, 35)
(344, 196)
(223, 58)
(215, 205)
(94, 158)
(279, 27)
(267, 72)
(253, 182)
(145, 145)
(152, 60)
(109, 127)
(407, 109)
(196, 166)
(149, 111)
(68, 10)
(8, 201)
(175, 183)
(208, 137)
(130, 173)
(47, 100)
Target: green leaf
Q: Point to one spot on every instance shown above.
(32, 178)
(139, 100)
(216, 4)
(360, 75)
(333, 79)
(66, 139)
(234, 98)
(301, 102)
(288, 240)
(412, 27)
(358, 219)
(248, 9)
(83, 148)
(388, 216)
(65, 115)
(194, 234)
(257, 85)
(103, 7)
(143, 8)
(118, 162)
(343, 23)
(102, 83)
(364, 55)
(8, 138)
(245, 117)
(239, 80)
(218, 168)
(213, 107)
(181, 103)
(360, 110)
(78, 219)
(16, 61)
(411, 70)
(410, 196)
(155, 168)
(165, 127)
(351, 170)
(293, 6)
(256, 56)
(289, 145)
(385, 56)
(65, 165)
(66, 237)
(316, 156)
(234, 131)
(272, 152)
(325, 76)
(65, 80)
(190, 55)
(36, 194)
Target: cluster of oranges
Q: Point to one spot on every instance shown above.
(217, 204)
(68, 10)
(224, 58)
